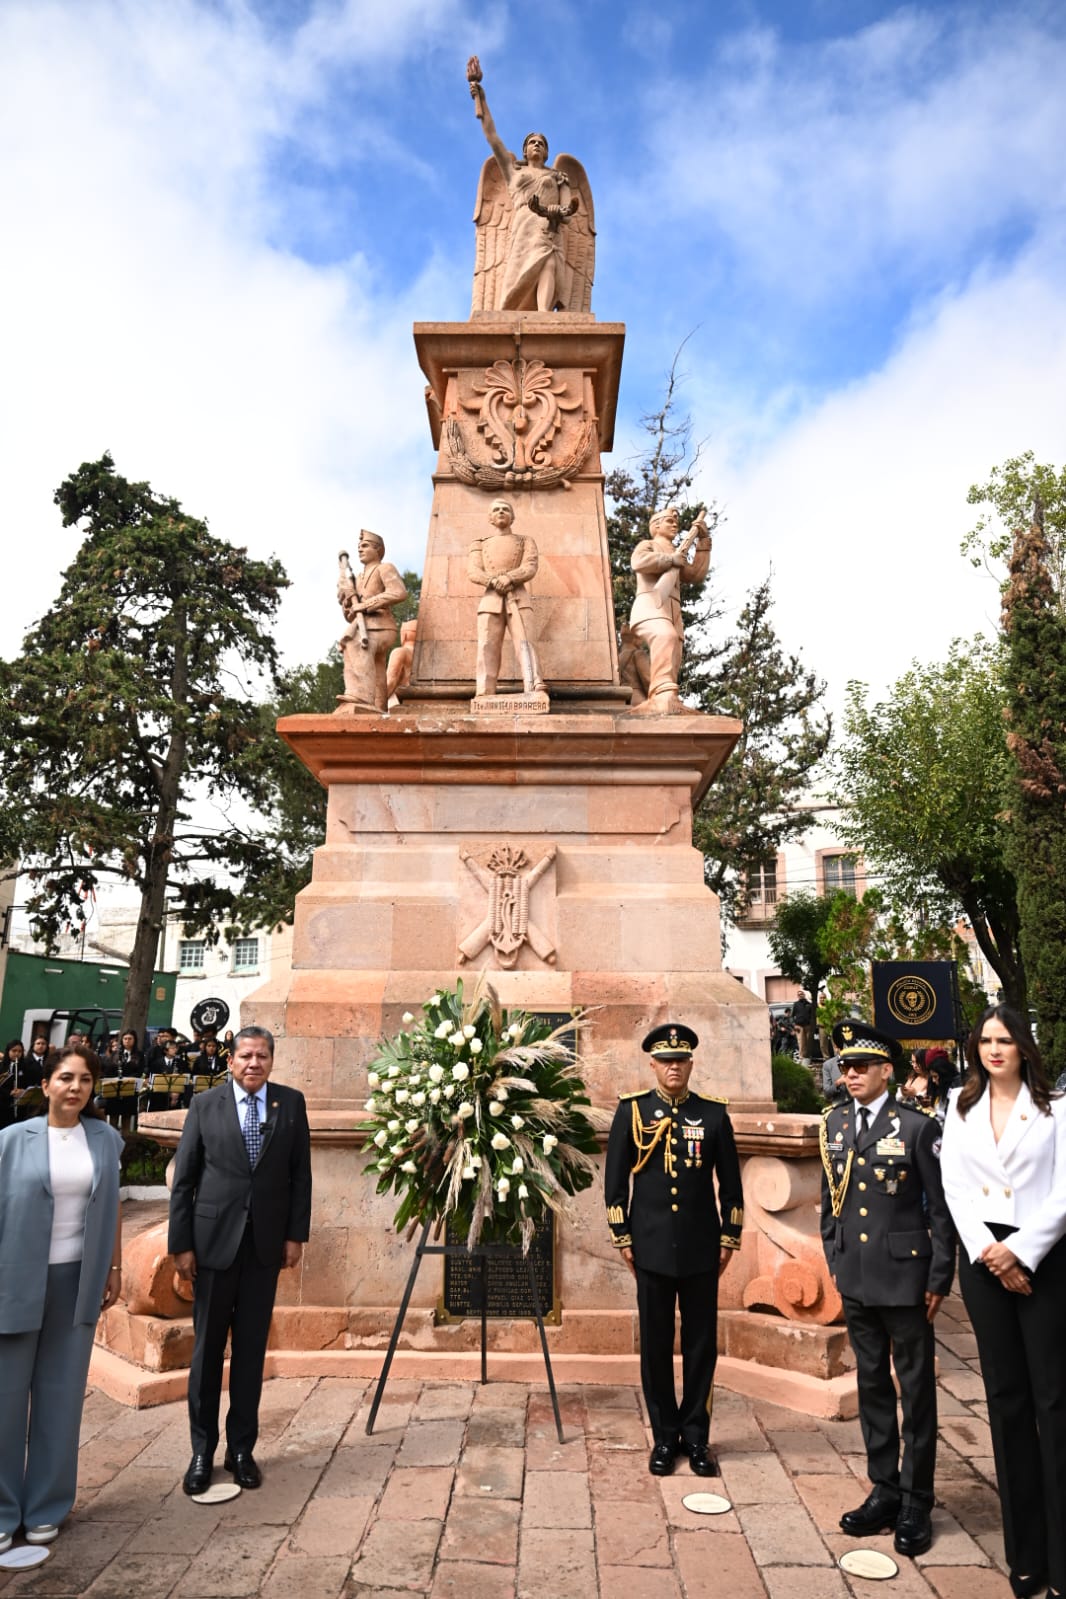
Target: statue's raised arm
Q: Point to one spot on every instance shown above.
(536, 236)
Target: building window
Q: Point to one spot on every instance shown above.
(839, 874)
(191, 954)
(762, 884)
(245, 954)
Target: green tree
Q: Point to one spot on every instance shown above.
(922, 778)
(1035, 631)
(288, 800)
(750, 811)
(132, 696)
(1009, 496)
(798, 939)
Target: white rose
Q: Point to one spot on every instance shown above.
(394, 1071)
(516, 1121)
(393, 1126)
(457, 1039)
(418, 1099)
(501, 1093)
(414, 1081)
(370, 1107)
(476, 1046)
(381, 1138)
(517, 1166)
(372, 1079)
(407, 1018)
(523, 1191)
(413, 1125)
(468, 1174)
(468, 1031)
(409, 1165)
(465, 1110)
(436, 1073)
(550, 1142)
(443, 1030)
(475, 1160)
(449, 1090)
(460, 1072)
(434, 1096)
(500, 1141)
(503, 1187)
(402, 1096)
(515, 1030)
(385, 1089)
(495, 1107)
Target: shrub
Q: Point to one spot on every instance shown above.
(794, 1087)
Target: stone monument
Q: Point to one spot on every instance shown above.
(510, 815)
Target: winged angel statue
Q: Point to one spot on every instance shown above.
(536, 232)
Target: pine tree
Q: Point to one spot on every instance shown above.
(125, 707)
(1035, 629)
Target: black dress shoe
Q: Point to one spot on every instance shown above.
(878, 1512)
(1026, 1587)
(197, 1480)
(914, 1531)
(246, 1473)
(703, 1461)
(661, 1463)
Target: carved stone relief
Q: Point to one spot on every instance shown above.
(507, 878)
(528, 419)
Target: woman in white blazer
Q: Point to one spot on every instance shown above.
(60, 1265)
(1003, 1162)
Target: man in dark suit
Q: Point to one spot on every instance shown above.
(890, 1246)
(240, 1210)
(669, 1144)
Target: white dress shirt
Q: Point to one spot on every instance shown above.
(1019, 1182)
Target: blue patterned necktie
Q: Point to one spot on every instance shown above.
(253, 1133)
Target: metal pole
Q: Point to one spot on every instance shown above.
(544, 1347)
(397, 1329)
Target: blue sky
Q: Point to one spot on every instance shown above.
(222, 219)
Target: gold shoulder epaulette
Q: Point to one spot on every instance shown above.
(717, 1099)
(828, 1110)
(638, 1095)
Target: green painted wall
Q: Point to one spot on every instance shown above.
(38, 982)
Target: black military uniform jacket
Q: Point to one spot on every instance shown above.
(671, 1150)
(886, 1228)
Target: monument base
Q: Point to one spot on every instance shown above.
(143, 1361)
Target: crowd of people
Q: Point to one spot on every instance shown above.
(973, 1169)
(200, 1062)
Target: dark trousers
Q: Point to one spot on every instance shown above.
(697, 1297)
(1021, 1340)
(878, 1332)
(237, 1301)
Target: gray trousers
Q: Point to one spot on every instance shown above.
(42, 1391)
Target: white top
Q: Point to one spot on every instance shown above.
(1019, 1182)
(70, 1170)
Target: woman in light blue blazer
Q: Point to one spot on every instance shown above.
(60, 1265)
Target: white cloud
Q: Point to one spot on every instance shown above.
(149, 313)
(860, 504)
(881, 152)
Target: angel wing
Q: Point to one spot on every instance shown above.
(492, 218)
(579, 237)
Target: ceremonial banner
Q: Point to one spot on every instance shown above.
(917, 1000)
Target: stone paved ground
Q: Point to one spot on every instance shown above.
(465, 1491)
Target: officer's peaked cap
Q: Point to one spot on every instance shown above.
(671, 1041)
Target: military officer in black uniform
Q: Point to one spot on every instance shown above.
(670, 1144)
(890, 1246)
